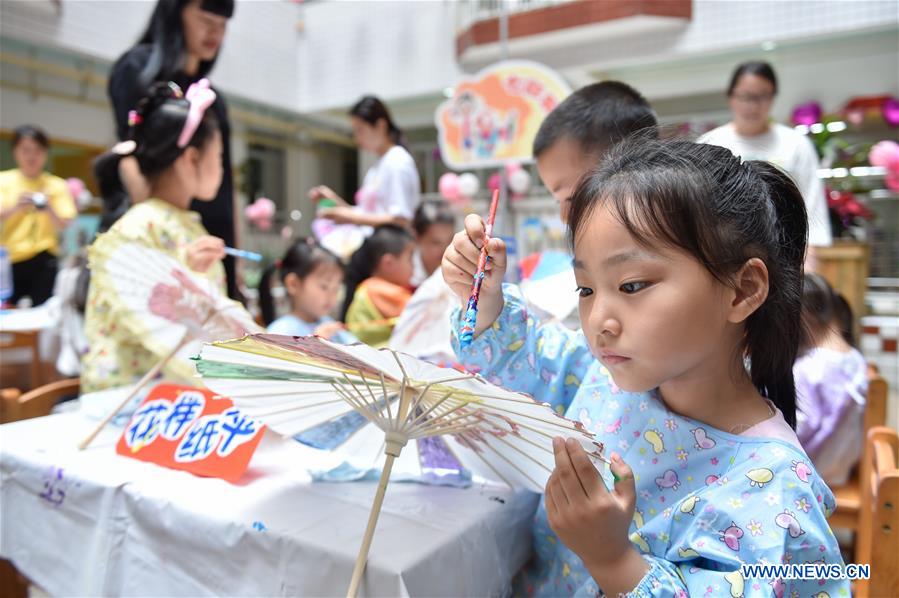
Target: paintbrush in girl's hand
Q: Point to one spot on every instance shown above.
(466, 335)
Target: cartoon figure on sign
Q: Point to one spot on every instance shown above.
(463, 108)
(494, 115)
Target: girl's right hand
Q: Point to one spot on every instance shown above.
(329, 329)
(204, 252)
(460, 262)
(321, 192)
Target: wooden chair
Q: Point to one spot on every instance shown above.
(879, 519)
(15, 406)
(27, 340)
(849, 496)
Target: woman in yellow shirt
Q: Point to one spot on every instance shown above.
(35, 206)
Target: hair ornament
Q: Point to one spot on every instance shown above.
(201, 96)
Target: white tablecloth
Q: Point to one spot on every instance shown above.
(93, 522)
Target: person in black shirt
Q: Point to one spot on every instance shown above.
(181, 44)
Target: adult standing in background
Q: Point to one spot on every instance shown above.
(35, 206)
(753, 136)
(181, 44)
(391, 189)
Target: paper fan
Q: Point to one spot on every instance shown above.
(171, 308)
(298, 384)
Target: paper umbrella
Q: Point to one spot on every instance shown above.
(299, 384)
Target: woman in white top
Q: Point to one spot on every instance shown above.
(391, 190)
(753, 136)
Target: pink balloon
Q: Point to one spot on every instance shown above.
(266, 207)
(448, 185)
(511, 167)
(286, 232)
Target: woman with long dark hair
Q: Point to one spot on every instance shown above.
(391, 189)
(181, 44)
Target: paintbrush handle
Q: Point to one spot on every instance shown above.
(466, 334)
(243, 253)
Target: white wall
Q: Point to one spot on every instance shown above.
(322, 56)
(257, 62)
(391, 49)
(405, 52)
(62, 119)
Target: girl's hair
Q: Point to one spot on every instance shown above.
(371, 110)
(387, 239)
(158, 120)
(822, 307)
(702, 200)
(301, 258)
(32, 132)
(165, 35)
(754, 67)
(432, 212)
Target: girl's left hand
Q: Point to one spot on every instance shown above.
(591, 520)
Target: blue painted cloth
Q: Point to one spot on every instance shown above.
(707, 500)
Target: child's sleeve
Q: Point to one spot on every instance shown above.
(808, 413)
(546, 361)
(771, 513)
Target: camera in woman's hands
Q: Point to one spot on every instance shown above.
(39, 200)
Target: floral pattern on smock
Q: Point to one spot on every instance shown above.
(707, 501)
(118, 354)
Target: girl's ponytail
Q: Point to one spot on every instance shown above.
(112, 191)
(266, 300)
(771, 363)
(360, 268)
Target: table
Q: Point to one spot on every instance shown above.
(96, 523)
(36, 322)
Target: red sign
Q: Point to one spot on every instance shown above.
(188, 428)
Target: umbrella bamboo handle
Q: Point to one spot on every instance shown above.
(143, 382)
(370, 529)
